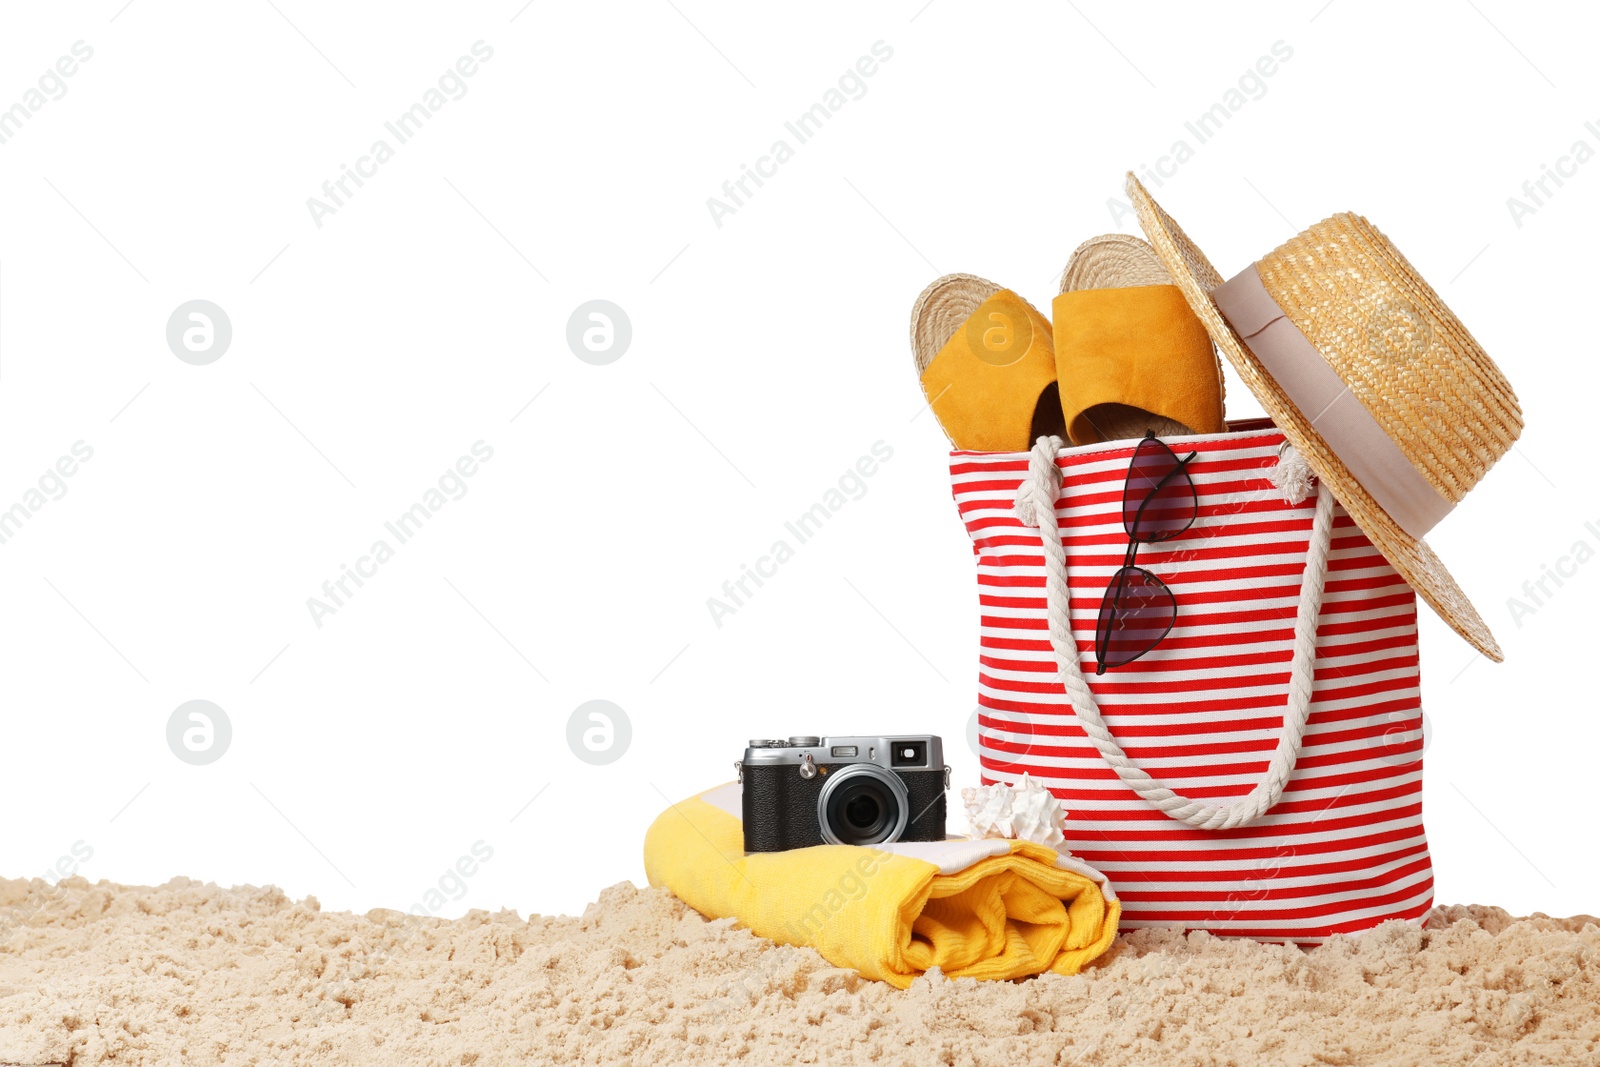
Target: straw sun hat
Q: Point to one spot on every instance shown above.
(1367, 373)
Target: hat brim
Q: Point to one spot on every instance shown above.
(1194, 275)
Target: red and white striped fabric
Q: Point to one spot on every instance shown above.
(1343, 849)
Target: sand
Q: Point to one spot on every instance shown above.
(189, 973)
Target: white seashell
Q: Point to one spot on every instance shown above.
(989, 809)
(1026, 811)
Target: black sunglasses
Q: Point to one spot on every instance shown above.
(1158, 504)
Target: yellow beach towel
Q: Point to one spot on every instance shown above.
(982, 909)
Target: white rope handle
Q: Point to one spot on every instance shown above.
(1036, 506)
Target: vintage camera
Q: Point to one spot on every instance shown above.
(842, 791)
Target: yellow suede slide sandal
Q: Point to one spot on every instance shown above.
(1131, 357)
(987, 364)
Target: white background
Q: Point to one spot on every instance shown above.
(768, 354)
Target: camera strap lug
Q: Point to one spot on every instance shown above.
(947, 777)
(738, 769)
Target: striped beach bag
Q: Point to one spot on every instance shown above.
(1259, 771)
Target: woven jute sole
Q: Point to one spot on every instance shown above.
(1410, 556)
(1120, 261)
(940, 311)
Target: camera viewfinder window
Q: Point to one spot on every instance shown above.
(909, 754)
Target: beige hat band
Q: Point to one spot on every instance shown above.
(1324, 398)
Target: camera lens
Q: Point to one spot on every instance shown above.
(863, 813)
(862, 805)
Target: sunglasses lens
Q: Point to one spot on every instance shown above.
(1137, 612)
(1158, 502)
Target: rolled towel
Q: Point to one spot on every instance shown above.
(991, 909)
